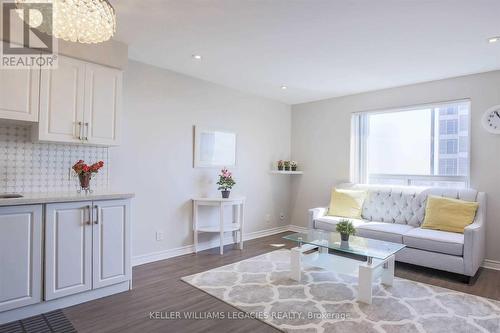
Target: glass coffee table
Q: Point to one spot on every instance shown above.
(368, 259)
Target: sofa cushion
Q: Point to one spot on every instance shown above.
(389, 232)
(346, 203)
(435, 241)
(329, 222)
(448, 214)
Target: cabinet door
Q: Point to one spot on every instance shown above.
(103, 89)
(19, 94)
(111, 242)
(68, 249)
(20, 256)
(62, 101)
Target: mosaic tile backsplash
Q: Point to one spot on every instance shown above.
(27, 167)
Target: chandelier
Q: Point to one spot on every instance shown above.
(81, 21)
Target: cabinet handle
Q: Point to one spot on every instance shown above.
(86, 137)
(97, 214)
(80, 130)
(89, 209)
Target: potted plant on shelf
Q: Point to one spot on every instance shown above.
(280, 165)
(287, 165)
(293, 165)
(345, 228)
(85, 172)
(226, 182)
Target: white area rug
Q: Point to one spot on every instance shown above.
(326, 302)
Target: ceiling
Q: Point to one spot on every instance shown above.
(317, 48)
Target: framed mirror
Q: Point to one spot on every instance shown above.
(214, 148)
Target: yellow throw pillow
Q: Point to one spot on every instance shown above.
(346, 203)
(448, 214)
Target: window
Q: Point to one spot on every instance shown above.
(448, 126)
(448, 166)
(463, 144)
(450, 110)
(413, 146)
(464, 123)
(448, 146)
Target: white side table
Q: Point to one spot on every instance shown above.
(235, 226)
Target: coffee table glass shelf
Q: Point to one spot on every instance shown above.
(368, 259)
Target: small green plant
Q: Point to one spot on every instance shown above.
(345, 227)
(287, 165)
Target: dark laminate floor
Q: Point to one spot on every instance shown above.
(157, 287)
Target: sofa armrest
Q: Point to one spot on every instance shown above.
(315, 213)
(475, 239)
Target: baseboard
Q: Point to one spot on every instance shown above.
(296, 228)
(187, 249)
(491, 264)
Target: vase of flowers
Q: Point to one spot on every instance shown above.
(85, 173)
(287, 165)
(226, 182)
(345, 228)
(280, 165)
(293, 165)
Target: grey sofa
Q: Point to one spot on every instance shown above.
(395, 214)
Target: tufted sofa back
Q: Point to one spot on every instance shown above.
(403, 204)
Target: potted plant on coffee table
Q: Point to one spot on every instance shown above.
(226, 182)
(345, 228)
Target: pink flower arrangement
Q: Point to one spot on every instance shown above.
(226, 181)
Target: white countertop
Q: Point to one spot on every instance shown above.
(42, 198)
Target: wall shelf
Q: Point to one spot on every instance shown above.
(287, 172)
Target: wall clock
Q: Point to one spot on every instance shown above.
(491, 120)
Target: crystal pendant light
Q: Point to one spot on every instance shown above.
(82, 21)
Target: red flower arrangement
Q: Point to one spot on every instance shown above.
(81, 168)
(85, 172)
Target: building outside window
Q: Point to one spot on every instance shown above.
(425, 145)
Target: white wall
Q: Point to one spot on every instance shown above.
(155, 159)
(321, 138)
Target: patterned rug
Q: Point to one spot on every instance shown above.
(326, 302)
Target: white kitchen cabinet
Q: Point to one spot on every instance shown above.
(111, 238)
(68, 249)
(19, 94)
(87, 246)
(103, 98)
(80, 102)
(62, 93)
(20, 256)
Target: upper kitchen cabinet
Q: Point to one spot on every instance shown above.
(103, 88)
(62, 93)
(19, 94)
(80, 102)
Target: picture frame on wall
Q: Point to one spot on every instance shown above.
(214, 148)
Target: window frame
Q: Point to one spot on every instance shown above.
(358, 144)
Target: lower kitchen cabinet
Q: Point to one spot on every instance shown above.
(20, 256)
(56, 254)
(68, 249)
(87, 246)
(111, 243)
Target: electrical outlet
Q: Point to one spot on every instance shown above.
(268, 218)
(282, 216)
(160, 235)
